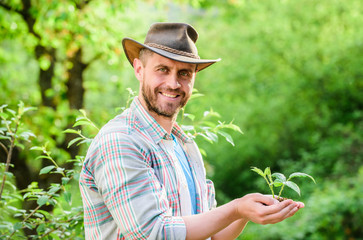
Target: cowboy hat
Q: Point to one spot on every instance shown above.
(172, 40)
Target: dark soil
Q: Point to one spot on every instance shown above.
(280, 199)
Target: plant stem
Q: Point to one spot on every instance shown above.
(282, 187)
(5, 149)
(269, 185)
(31, 214)
(7, 164)
(10, 153)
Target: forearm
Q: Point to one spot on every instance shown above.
(232, 231)
(205, 225)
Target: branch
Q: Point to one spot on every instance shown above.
(4, 147)
(7, 7)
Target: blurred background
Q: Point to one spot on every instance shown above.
(291, 77)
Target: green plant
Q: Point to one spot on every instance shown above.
(207, 127)
(280, 180)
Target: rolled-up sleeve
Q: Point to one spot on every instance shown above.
(130, 190)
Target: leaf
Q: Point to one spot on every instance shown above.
(277, 183)
(37, 148)
(41, 228)
(227, 137)
(46, 170)
(72, 131)
(187, 128)
(267, 171)
(211, 113)
(26, 109)
(17, 226)
(42, 200)
(293, 186)
(299, 174)
(54, 189)
(190, 116)
(196, 95)
(257, 170)
(5, 137)
(4, 115)
(231, 126)
(65, 180)
(74, 141)
(212, 136)
(68, 197)
(11, 111)
(81, 123)
(279, 176)
(205, 137)
(83, 112)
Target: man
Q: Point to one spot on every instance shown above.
(143, 178)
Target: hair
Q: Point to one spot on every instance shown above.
(144, 54)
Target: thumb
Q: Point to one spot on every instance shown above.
(267, 200)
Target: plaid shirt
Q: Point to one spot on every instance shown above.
(132, 184)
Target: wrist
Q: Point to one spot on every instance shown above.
(237, 210)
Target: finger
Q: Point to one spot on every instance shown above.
(300, 205)
(265, 199)
(286, 211)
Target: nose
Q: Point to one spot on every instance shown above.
(173, 81)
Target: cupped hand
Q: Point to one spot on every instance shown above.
(264, 209)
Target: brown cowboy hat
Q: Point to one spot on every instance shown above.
(172, 40)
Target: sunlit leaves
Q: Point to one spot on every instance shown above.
(280, 179)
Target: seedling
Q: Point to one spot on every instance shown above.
(280, 180)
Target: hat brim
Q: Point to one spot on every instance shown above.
(132, 49)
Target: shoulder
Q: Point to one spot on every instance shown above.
(122, 135)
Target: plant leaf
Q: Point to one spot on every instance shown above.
(46, 170)
(74, 141)
(82, 123)
(72, 131)
(300, 174)
(227, 137)
(277, 183)
(268, 174)
(212, 136)
(267, 171)
(280, 176)
(257, 170)
(68, 197)
(42, 200)
(293, 186)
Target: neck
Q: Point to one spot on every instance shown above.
(165, 122)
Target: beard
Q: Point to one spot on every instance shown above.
(169, 109)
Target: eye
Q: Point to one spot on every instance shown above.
(184, 73)
(162, 69)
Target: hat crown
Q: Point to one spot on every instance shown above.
(175, 36)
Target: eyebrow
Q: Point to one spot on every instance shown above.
(189, 69)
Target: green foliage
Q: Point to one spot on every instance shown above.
(290, 77)
(332, 211)
(206, 127)
(280, 180)
(66, 223)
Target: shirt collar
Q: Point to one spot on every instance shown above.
(149, 123)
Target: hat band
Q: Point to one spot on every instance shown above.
(172, 50)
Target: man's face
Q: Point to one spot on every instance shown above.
(165, 85)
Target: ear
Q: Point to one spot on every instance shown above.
(138, 68)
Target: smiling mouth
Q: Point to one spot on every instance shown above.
(169, 95)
